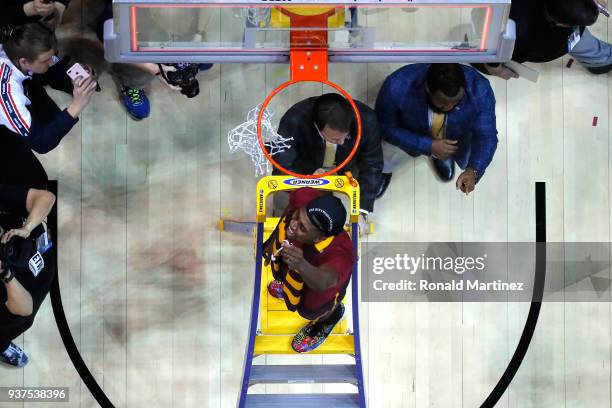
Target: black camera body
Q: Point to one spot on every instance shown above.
(17, 252)
(185, 78)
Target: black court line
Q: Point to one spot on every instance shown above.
(492, 399)
(62, 323)
(536, 301)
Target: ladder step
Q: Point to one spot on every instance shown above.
(334, 344)
(302, 400)
(286, 322)
(303, 374)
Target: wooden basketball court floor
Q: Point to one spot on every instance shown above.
(158, 299)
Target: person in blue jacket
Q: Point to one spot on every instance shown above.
(29, 118)
(445, 111)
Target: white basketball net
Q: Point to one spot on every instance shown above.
(244, 137)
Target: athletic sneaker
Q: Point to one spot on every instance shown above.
(204, 67)
(601, 70)
(314, 334)
(136, 102)
(14, 356)
(275, 288)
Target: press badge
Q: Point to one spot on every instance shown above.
(43, 242)
(573, 39)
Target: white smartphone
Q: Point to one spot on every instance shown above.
(76, 71)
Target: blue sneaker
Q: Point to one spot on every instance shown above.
(136, 102)
(205, 67)
(14, 356)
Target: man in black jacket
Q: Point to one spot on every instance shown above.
(324, 131)
(29, 118)
(549, 29)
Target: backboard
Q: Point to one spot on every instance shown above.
(351, 31)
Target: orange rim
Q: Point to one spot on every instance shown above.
(292, 173)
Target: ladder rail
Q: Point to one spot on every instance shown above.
(248, 361)
(355, 311)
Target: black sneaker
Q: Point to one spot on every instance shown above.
(14, 356)
(600, 70)
(444, 168)
(385, 180)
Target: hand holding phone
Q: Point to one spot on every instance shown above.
(77, 70)
(84, 85)
(81, 95)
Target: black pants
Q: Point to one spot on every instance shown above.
(14, 330)
(18, 164)
(12, 326)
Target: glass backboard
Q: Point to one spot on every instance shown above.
(351, 31)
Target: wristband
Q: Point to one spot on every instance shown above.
(7, 276)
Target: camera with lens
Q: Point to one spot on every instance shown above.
(184, 77)
(17, 252)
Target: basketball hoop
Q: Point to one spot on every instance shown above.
(244, 137)
(308, 63)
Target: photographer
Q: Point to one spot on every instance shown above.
(29, 117)
(132, 79)
(549, 29)
(26, 264)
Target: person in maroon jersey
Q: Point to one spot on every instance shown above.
(311, 258)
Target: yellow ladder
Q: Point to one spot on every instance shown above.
(278, 325)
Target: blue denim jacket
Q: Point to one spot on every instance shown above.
(402, 110)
